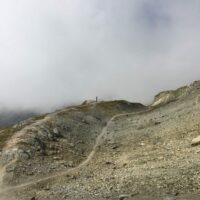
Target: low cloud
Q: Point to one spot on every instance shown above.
(61, 52)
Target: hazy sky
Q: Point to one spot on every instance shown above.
(55, 52)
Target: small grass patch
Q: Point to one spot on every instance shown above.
(39, 117)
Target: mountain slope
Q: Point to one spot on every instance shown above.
(108, 150)
(56, 142)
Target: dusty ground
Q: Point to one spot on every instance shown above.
(146, 154)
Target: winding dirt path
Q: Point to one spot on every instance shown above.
(83, 164)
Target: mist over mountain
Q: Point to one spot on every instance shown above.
(54, 53)
(9, 117)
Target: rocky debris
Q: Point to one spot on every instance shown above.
(196, 141)
(24, 154)
(195, 84)
(56, 133)
(9, 155)
(70, 164)
(10, 168)
(89, 120)
(173, 95)
(149, 152)
(57, 157)
(164, 98)
(58, 141)
(124, 196)
(169, 198)
(108, 163)
(115, 146)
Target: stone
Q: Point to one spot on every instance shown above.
(55, 131)
(70, 164)
(57, 158)
(196, 141)
(108, 163)
(115, 147)
(123, 196)
(10, 168)
(24, 155)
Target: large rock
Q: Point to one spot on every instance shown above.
(196, 141)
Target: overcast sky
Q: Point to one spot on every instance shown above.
(55, 52)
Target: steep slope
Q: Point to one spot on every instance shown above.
(116, 150)
(56, 142)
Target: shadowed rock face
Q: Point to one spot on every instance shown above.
(143, 152)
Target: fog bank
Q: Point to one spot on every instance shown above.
(55, 53)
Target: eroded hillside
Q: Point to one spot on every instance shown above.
(106, 150)
(56, 142)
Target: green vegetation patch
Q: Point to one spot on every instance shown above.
(39, 117)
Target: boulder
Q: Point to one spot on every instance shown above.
(124, 196)
(196, 141)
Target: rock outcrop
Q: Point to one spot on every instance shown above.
(173, 95)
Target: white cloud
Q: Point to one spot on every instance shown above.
(58, 52)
